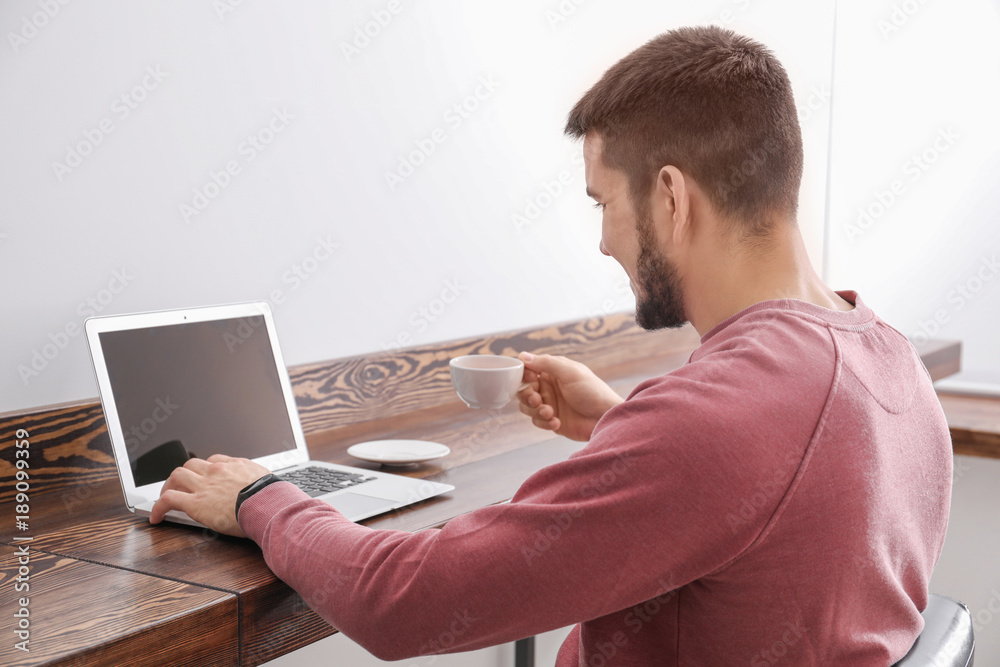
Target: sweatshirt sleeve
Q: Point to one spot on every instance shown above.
(655, 500)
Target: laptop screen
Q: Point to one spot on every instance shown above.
(196, 389)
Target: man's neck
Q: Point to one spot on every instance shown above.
(738, 278)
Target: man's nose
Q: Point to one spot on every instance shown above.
(604, 250)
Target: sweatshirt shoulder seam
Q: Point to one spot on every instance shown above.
(802, 467)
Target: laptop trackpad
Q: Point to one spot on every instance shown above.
(354, 504)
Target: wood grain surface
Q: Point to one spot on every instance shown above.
(273, 618)
(374, 387)
(69, 445)
(88, 614)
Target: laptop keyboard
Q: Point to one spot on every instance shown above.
(316, 480)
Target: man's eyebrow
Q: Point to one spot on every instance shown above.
(592, 194)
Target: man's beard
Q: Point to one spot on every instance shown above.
(659, 303)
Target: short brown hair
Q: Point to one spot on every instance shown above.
(716, 105)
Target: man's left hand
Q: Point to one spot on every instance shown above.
(206, 490)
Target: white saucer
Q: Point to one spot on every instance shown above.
(398, 452)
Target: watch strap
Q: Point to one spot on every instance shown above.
(253, 487)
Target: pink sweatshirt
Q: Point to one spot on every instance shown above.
(780, 499)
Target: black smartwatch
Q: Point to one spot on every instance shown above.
(254, 487)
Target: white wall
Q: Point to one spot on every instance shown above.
(969, 568)
(915, 202)
(446, 233)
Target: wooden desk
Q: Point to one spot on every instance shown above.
(84, 613)
(271, 619)
(108, 588)
(974, 422)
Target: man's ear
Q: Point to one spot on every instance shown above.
(672, 192)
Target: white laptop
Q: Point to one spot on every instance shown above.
(184, 383)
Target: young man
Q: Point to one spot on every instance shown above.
(782, 496)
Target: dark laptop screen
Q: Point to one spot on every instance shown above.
(195, 390)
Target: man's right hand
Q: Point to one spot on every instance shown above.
(564, 395)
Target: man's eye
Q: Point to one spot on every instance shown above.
(599, 206)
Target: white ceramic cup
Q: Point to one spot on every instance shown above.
(486, 380)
